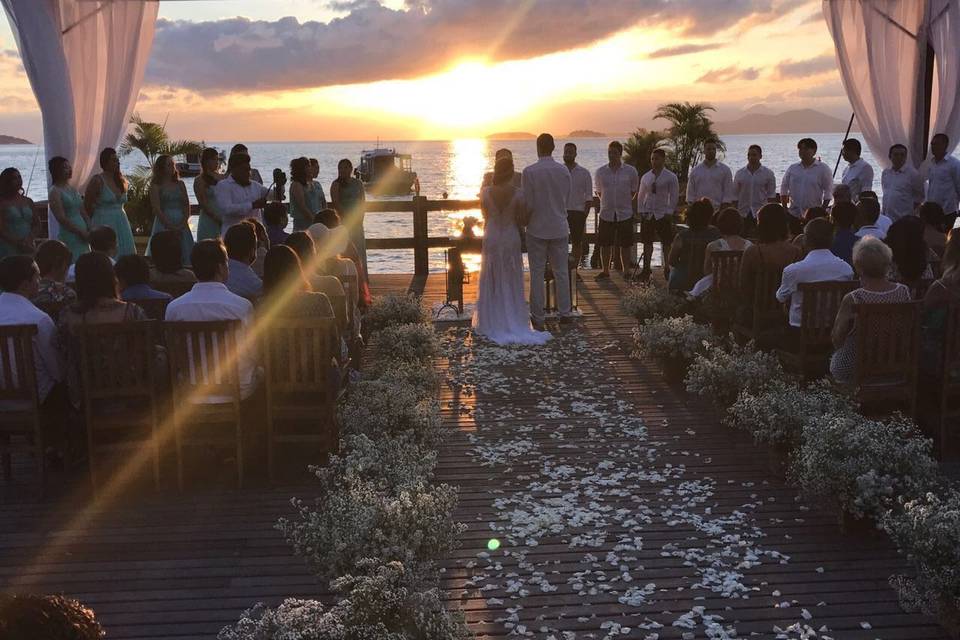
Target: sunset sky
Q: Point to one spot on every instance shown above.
(438, 69)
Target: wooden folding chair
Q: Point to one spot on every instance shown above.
(120, 403)
(204, 373)
(19, 399)
(697, 252)
(810, 354)
(726, 271)
(888, 353)
(301, 377)
(155, 308)
(767, 320)
(950, 373)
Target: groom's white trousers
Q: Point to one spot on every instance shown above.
(538, 251)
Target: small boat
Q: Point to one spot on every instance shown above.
(386, 172)
(191, 167)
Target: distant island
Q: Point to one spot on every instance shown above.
(511, 135)
(586, 133)
(13, 140)
(798, 121)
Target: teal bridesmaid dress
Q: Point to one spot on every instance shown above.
(207, 227)
(301, 221)
(171, 202)
(108, 212)
(72, 210)
(17, 223)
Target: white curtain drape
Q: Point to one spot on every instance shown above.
(881, 50)
(85, 61)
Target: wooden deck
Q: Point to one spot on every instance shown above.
(701, 497)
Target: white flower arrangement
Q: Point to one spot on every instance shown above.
(418, 377)
(777, 414)
(379, 409)
(863, 465)
(648, 301)
(388, 463)
(671, 338)
(406, 343)
(393, 309)
(721, 374)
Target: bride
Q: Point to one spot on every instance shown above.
(502, 314)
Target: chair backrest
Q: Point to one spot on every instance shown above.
(155, 308)
(951, 346)
(117, 359)
(726, 270)
(821, 301)
(766, 307)
(697, 248)
(18, 375)
(351, 287)
(888, 342)
(919, 288)
(298, 354)
(204, 358)
(175, 289)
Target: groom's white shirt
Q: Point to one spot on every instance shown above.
(546, 187)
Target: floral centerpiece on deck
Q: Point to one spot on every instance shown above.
(721, 374)
(649, 301)
(674, 342)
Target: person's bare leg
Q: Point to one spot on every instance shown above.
(605, 258)
(625, 259)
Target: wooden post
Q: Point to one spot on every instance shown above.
(421, 262)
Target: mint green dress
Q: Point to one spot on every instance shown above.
(301, 221)
(108, 212)
(17, 222)
(72, 210)
(171, 202)
(316, 200)
(207, 227)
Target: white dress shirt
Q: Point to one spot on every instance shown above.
(943, 182)
(807, 186)
(72, 271)
(858, 175)
(875, 230)
(753, 189)
(714, 182)
(661, 201)
(546, 189)
(581, 188)
(820, 265)
(616, 188)
(210, 301)
(236, 201)
(15, 309)
(902, 190)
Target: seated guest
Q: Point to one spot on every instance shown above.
(883, 221)
(287, 291)
(871, 259)
(330, 219)
(772, 251)
(303, 246)
(843, 216)
(932, 215)
(241, 241)
(24, 616)
(133, 275)
(944, 292)
(820, 265)
(811, 213)
(210, 300)
(911, 256)
(868, 210)
(103, 240)
(53, 259)
(730, 226)
(275, 215)
(168, 266)
(686, 267)
(841, 193)
(263, 245)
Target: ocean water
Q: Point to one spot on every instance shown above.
(454, 166)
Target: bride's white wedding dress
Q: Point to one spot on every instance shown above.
(502, 314)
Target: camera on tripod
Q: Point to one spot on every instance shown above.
(279, 184)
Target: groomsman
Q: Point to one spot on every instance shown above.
(753, 186)
(858, 174)
(902, 185)
(808, 183)
(580, 200)
(617, 184)
(710, 179)
(942, 175)
(656, 203)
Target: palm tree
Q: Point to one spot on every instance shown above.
(639, 147)
(690, 126)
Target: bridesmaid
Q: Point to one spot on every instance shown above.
(170, 204)
(210, 219)
(301, 188)
(320, 200)
(66, 205)
(349, 198)
(18, 221)
(104, 199)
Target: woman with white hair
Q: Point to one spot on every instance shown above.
(871, 260)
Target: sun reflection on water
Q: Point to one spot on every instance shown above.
(468, 162)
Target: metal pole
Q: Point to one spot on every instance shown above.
(845, 136)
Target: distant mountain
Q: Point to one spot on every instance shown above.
(13, 140)
(799, 121)
(511, 135)
(586, 133)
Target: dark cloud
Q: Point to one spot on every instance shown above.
(684, 49)
(805, 68)
(729, 74)
(372, 42)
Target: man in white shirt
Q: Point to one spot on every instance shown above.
(858, 174)
(617, 183)
(753, 186)
(902, 185)
(711, 179)
(211, 300)
(820, 265)
(868, 213)
(942, 176)
(238, 196)
(579, 202)
(656, 203)
(805, 184)
(546, 188)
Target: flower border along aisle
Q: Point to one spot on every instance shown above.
(379, 525)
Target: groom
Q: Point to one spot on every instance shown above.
(546, 186)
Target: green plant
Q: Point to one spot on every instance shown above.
(671, 338)
(721, 374)
(649, 301)
(639, 146)
(394, 309)
(690, 127)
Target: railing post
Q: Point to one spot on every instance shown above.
(421, 263)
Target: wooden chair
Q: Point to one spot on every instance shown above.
(175, 289)
(950, 374)
(155, 308)
(726, 271)
(204, 373)
(351, 287)
(697, 248)
(809, 354)
(120, 400)
(767, 319)
(19, 399)
(301, 383)
(888, 353)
